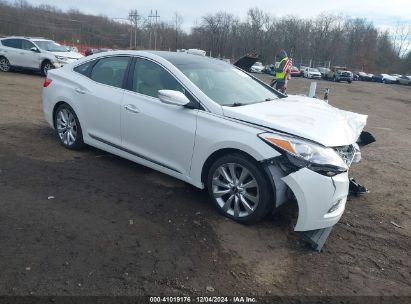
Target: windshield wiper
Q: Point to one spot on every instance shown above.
(237, 104)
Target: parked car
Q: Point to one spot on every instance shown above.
(33, 53)
(257, 67)
(208, 123)
(384, 78)
(404, 80)
(295, 72)
(323, 71)
(337, 73)
(302, 68)
(269, 69)
(364, 76)
(312, 73)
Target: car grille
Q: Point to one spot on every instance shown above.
(345, 74)
(347, 153)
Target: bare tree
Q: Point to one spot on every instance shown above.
(401, 38)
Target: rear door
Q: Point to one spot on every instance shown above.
(12, 50)
(99, 95)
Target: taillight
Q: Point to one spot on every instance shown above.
(47, 82)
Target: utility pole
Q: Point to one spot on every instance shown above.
(155, 17)
(134, 18)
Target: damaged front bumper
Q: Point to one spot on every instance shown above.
(321, 199)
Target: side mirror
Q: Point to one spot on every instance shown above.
(34, 49)
(173, 97)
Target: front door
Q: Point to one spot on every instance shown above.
(160, 133)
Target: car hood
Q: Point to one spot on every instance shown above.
(73, 55)
(305, 117)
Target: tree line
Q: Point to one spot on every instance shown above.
(327, 39)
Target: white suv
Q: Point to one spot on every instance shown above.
(34, 53)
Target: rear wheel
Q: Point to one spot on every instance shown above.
(68, 128)
(239, 189)
(4, 64)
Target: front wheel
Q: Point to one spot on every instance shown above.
(68, 128)
(46, 67)
(240, 189)
(4, 64)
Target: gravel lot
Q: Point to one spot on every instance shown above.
(90, 223)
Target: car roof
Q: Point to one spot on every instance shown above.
(180, 58)
(24, 37)
(175, 58)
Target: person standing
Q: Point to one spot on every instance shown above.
(282, 71)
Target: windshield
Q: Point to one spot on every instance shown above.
(313, 70)
(50, 46)
(225, 84)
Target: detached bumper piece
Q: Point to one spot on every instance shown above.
(316, 238)
(357, 189)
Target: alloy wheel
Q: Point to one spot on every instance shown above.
(4, 65)
(66, 126)
(235, 189)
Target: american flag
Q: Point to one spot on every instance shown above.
(288, 65)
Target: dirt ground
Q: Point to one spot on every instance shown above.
(90, 223)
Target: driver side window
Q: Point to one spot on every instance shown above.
(149, 78)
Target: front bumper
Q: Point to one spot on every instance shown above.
(316, 194)
(343, 78)
(314, 76)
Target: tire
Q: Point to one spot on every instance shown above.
(68, 128)
(349, 81)
(46, 66)
(384, 81)
(4, 64)
(245, 199)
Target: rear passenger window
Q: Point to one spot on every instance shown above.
(84, 68)
(149, 78)
(110, 71)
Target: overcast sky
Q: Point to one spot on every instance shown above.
(384, 13)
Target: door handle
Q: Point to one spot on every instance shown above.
(131, 108)
(80, 91)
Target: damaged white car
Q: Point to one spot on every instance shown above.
(212, 125)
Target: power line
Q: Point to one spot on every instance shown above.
(155, 17)
(134, 18)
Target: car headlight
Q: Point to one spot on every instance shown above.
(61, 58)
(302, 153)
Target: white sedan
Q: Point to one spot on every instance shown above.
(312, 73)
(211, 125)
